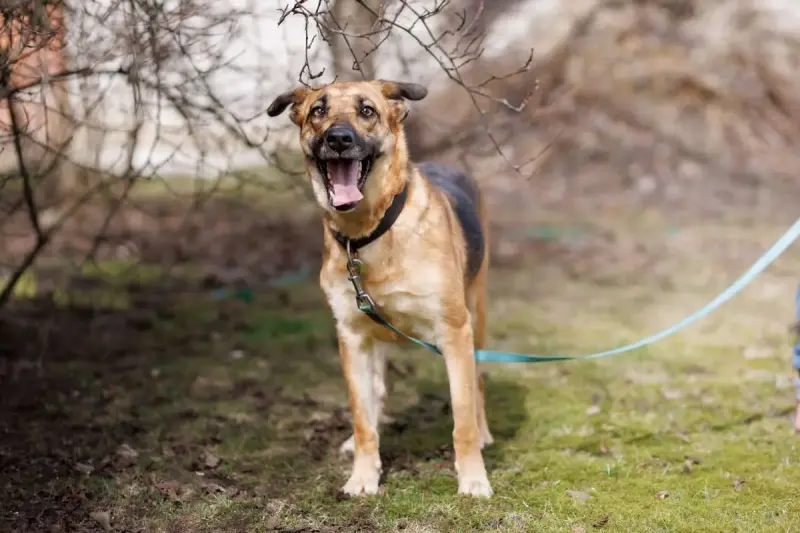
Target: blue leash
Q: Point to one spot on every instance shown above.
(368, 306)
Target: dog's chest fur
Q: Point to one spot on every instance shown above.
(410, 272)
(409, 303)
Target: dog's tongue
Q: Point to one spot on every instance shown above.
(343, 177)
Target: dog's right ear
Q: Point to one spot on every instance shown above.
(293, 98)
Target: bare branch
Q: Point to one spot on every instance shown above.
(136, 87)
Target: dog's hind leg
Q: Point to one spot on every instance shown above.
(458, 349)
(379, 355)
(477, 300)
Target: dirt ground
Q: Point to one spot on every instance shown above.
(140, 400)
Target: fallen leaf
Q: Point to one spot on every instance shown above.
(212, 487)
(593, 410)
(241, 418)
(577, 528)
(170, 489)
(127, 453)
(84, 469)
(276, 506)
(662, 495)
(738, 484)
(103, 518)
(211, 460)
(602, 522)
(578, 495)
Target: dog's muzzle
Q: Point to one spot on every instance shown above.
(344, 159)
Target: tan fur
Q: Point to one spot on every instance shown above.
(415, 272)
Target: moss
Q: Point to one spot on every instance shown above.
(25, 286)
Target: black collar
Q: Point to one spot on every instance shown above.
(389, 218)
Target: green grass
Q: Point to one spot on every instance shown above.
(241, 408)
(250, 183)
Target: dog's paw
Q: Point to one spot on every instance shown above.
(477, 486)
(362, 484)
(348, 447)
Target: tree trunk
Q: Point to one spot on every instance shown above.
(43, 112)
(353, 49)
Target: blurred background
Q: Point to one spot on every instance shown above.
(637, 155)
(682, 105)
(677, 105)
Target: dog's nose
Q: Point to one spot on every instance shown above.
(339, 139)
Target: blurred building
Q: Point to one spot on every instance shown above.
(32, 49)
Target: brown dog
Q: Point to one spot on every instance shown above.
(420, 234)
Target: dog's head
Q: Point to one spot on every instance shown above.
(348, 132)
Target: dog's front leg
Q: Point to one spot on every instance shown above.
(380, 352)
(461, 373)
(358, 365)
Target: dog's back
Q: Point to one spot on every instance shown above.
(464, 196)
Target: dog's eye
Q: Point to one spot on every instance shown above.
(318, 111)
(367, 111)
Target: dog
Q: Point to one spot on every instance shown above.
(405, 245)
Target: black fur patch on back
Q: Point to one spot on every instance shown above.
(462, 191)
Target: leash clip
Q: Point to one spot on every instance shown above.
(354, 268)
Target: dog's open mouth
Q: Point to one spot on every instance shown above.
(344, 179)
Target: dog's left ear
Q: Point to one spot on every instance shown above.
(293, 98)
(397, 91)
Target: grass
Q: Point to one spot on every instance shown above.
(226, 416)
(246, 182)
